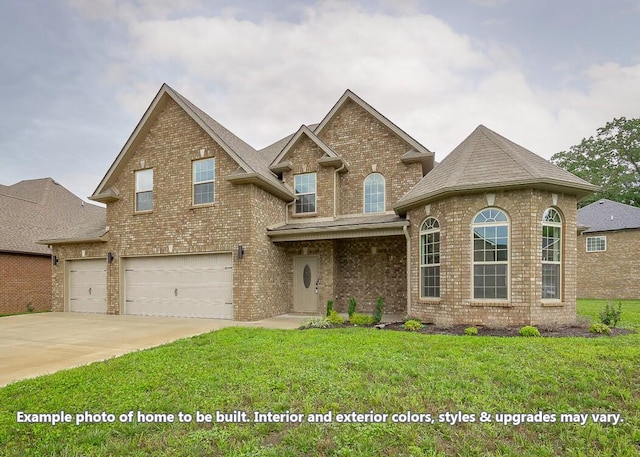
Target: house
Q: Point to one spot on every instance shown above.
(29, 211)
(199, 223)
(609, 251)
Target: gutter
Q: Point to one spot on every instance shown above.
(405, 230)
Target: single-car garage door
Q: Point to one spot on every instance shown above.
(181, 285)
(88, 285)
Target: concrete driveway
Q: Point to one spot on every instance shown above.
(36, 344)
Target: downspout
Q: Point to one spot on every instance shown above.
(286, 211)
(405, 229)
(335, 189)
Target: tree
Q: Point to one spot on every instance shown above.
(610, 159)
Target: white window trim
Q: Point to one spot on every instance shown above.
(315, 193)
(194, 182)
(603, 237)
(559, 262)
(425, 233)
(507, 262)
(364, 194)
(138, 191)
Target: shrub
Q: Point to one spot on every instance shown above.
(361, 319)
(610, 316)
(317, 322)
(413, 325)
(334, 318)
(529, 330)
(600, 328)
(30, 307)
(329, 307)
(377, 316)
(471, 331)
(352, 306)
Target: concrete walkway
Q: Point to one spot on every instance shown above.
(35, 344)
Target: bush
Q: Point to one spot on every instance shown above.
(610, 316)
(361, 319)
(471, 331)
(529, 330)
(334, 318)
(352, 306)
(600, 328)
(329, 307)
(317, 322)
(413, 325)
(377, 316)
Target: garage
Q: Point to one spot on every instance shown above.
(180, 286)
(88, 285)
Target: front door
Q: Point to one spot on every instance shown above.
(305, 284)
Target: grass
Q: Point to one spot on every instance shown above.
(342, 371)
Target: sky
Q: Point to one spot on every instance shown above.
(76, 76)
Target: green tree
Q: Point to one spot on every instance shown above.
(610, 159)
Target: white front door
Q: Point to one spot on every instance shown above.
(305, 284)
(87, 285)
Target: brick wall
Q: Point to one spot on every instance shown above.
(614, 273)
(525, 305)
(24, 280)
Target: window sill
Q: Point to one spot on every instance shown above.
(552, 303)
(138, 213)
(430, 300)
(499, 304)
(305, 214)
(203, 205)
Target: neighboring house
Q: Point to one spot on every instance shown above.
(29, 211)
(609, 251)
(202, 224)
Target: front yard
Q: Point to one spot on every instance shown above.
(465, 395)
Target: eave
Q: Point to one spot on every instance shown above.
(260, 181)
(338, 232)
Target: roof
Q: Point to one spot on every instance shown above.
(341, 227)
(487, 160)
(253, 166)
(606, 215)
(41, 208)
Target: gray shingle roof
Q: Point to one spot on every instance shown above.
(38, 209)
(606, 215)
(486, 160)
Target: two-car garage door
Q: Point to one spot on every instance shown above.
(181, 285)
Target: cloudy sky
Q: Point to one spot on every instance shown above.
(77, 75)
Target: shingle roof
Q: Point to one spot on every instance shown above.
(36, 209)
(487, 160)
(606, 215)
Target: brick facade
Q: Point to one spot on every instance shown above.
(26, 283)
(524, 305)
(611, 274)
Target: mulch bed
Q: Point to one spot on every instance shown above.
(559, 331)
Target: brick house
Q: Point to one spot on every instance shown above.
(609, 251)
(199, 223)
(29, 211)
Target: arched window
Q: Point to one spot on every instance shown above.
(430, 258)
(551, 254)
(491, 255)
(374, 193)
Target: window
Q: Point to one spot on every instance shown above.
(430, 258)
(374, 193)
(551, 253)
(203, 181)
(596, 243)
(305, 191)
(144, 190)
(491, 255)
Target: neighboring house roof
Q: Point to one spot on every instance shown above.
(487, 160)
(34, 209)
(253, 166)
(606, 215)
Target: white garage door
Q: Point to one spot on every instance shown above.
(181, 285)
(88, 285)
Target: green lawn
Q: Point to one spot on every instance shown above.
(343, 371)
